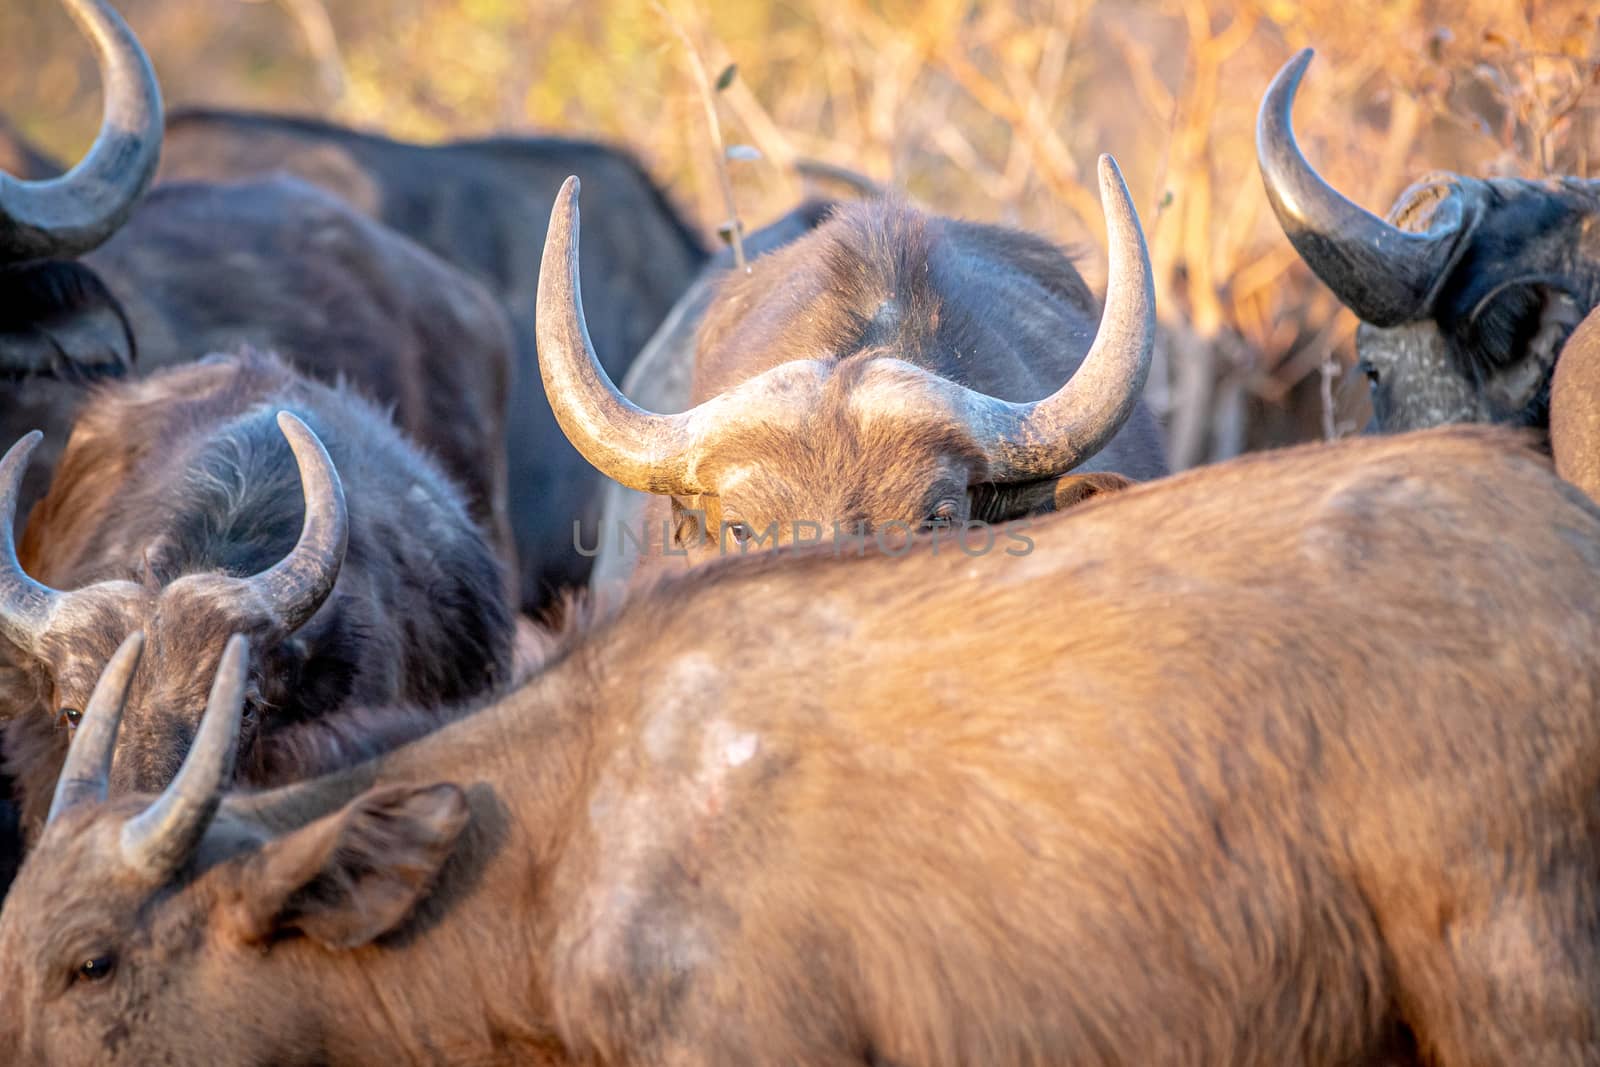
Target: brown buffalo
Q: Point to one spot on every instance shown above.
(1466, 292)
(180, 509)
(1271, 763)
(98, 280)
(888, 369)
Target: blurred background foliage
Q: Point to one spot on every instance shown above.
(989, 110)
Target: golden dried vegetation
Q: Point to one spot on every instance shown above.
(989, 110)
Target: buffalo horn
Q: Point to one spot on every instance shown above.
(295, 587)
(160, 839)
(87, 773)
(66, 216)
(1386, 275)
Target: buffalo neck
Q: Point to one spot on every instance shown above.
(461, 980)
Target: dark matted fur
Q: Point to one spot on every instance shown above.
(58, 319)
(1524, 273)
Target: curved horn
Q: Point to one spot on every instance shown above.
(1384, 274)
(69, 215)
(295, 587)
(25, 605)
(86, 775)
(638, 448)
(160, 839)
(1053, 435)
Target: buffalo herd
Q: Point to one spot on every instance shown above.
(436, 629)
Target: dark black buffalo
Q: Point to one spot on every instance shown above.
(1466, 293)
(483, 206)
(888, 368)
(97, 280)
(179, 509)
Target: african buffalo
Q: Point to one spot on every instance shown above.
(483, 206)
(179, 508)
(1269, 763)
(196, 268)
(1466, 294)
(884, 370)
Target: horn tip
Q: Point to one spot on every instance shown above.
(299, 435)
(571, 187)
(27, 443)
(132, 645)
(17, 456)
(1289, 77)
(1111, 180)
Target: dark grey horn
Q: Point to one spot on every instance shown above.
(69, 215)
(296, 586)
(86, 775)
(25, 605)
(1386, 275)
(159, 840)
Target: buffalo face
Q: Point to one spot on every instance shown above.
(863, 439)
(1466, 292)
(132, 934)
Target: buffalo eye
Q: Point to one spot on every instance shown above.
(943, 514)
(739, 531)
(95, 968)
(72, 717)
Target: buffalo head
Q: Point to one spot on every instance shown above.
(68, 635)
(868, 442)
(1466, 292)
(106, 960)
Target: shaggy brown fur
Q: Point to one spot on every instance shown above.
(877, 286)
(1258, 766)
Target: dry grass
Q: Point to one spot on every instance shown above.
(988, 110)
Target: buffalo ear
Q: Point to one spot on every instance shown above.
(1072, 489)
(1002, 503)
(1551, 315)
(60, 321)
(352, 876)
